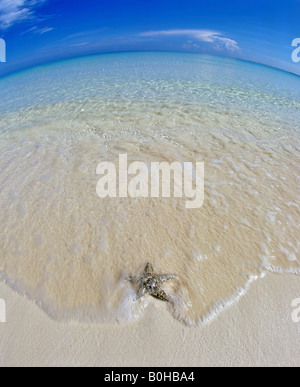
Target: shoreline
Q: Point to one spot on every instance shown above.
(252, 332)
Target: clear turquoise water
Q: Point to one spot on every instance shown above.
(180, 82)
(65, 249)
(124, 75)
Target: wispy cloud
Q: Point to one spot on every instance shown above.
(79, 44)
(88, 33)
(216, 38)
(37, 30)
(15, 11)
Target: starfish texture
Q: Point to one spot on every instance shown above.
(151, 283)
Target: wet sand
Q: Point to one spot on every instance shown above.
(256, 331)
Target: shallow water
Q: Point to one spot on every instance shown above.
(70, 251)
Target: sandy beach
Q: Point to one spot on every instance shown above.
(71, 249)
(149, 186)
(257, 331)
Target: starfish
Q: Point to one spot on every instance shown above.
(151, 283)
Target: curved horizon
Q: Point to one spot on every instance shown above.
(149, 164)
(59, 60)
(263, 32)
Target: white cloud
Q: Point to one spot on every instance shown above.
(15, 11)
(44, 30)
(37, 30)
(79, 44)
(228, 44)
(207, 36)
(89, 33)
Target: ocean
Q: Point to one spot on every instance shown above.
(70, 251)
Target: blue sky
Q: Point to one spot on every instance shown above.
(39, 31)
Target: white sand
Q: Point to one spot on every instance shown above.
(258, 331)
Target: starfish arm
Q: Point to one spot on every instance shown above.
(160, 295)
(149, 268)
(167, 277)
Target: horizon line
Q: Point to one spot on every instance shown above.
(69, 58)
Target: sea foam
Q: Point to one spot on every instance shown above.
(70, 251)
